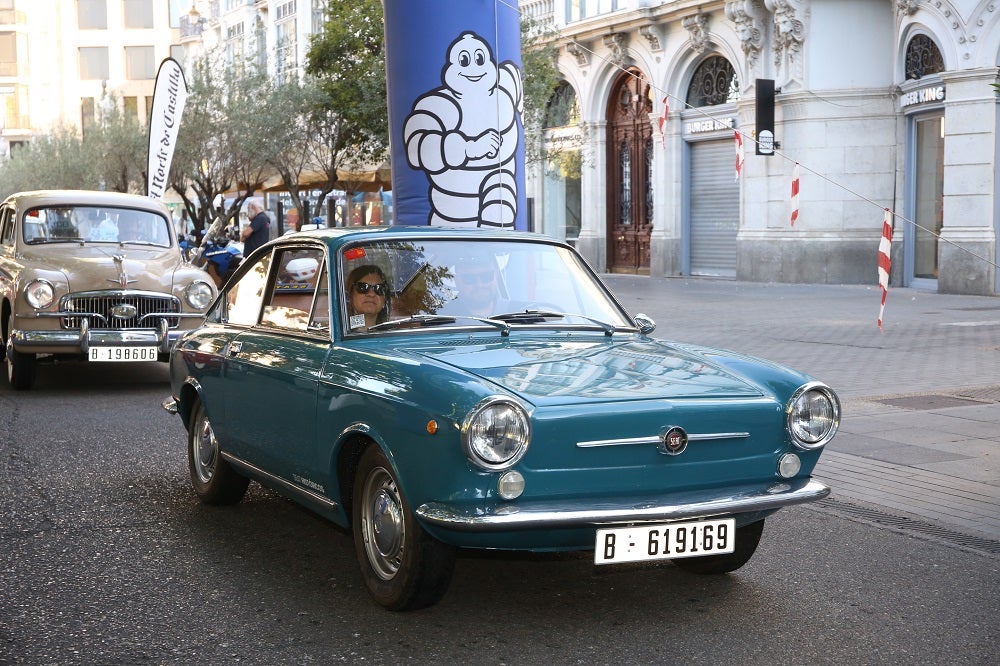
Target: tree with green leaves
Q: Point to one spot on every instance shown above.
(109, 155)
(228, 138)
(348, 120)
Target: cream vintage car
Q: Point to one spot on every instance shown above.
(95, 276)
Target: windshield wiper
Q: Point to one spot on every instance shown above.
(417, 319)
(532, 316)
(140, 242)
(436, 320)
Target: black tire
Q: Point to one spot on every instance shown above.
(747, 538)
(403, 567)
(20, 369)
(214, 480)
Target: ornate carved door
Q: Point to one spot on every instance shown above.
(630, 192)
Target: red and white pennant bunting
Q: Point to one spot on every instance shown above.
(740, 155)
(795, 193)
(884, 261)
(663, 121)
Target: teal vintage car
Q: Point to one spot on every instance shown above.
(436, 389)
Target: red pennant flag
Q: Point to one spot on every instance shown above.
(663, 121)
(884, 261)
(740, 155)
(795, 193)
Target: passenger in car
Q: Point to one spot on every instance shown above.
(369, 297)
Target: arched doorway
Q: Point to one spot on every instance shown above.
(630, 156)
(713, 203)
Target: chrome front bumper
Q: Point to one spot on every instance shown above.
(80, 340)
(575, 513)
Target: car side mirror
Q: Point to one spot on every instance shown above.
(645, 323)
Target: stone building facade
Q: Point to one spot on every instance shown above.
(879, 104)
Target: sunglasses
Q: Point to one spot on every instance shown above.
(365, 287)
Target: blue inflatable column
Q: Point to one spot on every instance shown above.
(455, 102)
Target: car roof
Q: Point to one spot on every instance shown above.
(34, 198)
(337, 236)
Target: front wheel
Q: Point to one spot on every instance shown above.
(214, 480)
(747, 538)
(403, 567)
(20, 368)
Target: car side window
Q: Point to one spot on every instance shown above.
(7, 226)
(289, 303)
(245, 296)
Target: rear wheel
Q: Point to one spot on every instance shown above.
(20, 368)
(403, 567)
(214, 480)
(747, 538)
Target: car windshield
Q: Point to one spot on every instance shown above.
(99, 224)
(390, 285)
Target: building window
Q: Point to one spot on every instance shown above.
(8, 54)
(922, 58)
(138, 13)
(713, 83)
(563, 108)
(131, 105)
(319, 8)
(177, 8)
(234, 45)
(88, 113)
(581, 9)
(94, 63)
(140, 63)
(177, 52)
(286, 58)
(12, 102)
(92, 14)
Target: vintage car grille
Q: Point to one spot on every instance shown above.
(119, 310)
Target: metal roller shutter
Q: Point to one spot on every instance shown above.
(715, 209)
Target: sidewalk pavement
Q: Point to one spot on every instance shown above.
(920, 427)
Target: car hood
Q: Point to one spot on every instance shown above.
(563, 371)
(108, 266)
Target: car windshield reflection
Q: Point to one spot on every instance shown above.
(95, 224)
(391, 285)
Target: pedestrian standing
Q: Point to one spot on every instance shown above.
(257, 232)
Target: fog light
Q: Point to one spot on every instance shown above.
(789, 465)
(511, 485)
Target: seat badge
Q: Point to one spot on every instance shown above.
(673, 441)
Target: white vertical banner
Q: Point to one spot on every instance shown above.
(169, 96)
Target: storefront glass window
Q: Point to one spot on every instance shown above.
(562, 195)
(929, 194)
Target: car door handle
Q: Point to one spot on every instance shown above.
(235, 347)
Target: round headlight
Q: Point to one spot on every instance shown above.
(813, 416)
(199, 295)
(496, 433)
(39, 294)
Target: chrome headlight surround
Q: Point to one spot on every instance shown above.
(199, 295)
(39, 294)
(812, 416)
(496, 434)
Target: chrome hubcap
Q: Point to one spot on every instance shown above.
(206, 451)
(382, 523)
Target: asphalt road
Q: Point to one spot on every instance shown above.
(106, 557)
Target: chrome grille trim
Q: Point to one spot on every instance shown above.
(632, 441)
(95, 307)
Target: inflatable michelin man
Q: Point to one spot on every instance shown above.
(464, 136)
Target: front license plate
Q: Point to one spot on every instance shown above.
(123, 353)
(666, 541)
